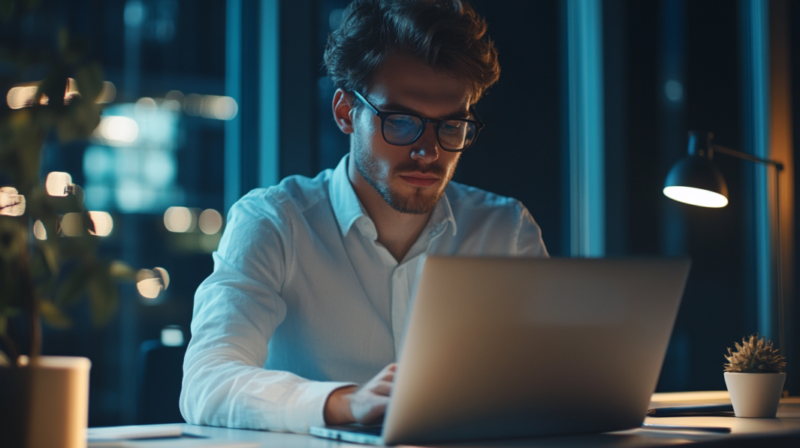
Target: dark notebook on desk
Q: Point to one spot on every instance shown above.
(518, 347)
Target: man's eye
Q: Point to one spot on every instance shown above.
(400, 121)
(452, 127)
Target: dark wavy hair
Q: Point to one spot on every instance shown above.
(448, 35)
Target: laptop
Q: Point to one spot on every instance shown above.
(522, 347)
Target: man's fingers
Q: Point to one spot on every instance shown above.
(370, 408)
(375, 414)
(383, 388)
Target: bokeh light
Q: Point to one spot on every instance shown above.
(39, 231)
(72, 90)
(179, 219)
(210, 221)
(57, 184)
(108, 93)
(164, 276)
(172, 336)
(11, 202)
(219, 107)
(145, 103)
(24, 95)
(21, 96)
(103, 223)
(151, 283)
(118, 131)
(149, 288)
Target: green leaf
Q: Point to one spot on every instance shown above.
(72, 290)
(53, 316)
(121, 271)
(50, 255)
(13, 238)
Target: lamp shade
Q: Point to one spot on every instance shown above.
(694, 180)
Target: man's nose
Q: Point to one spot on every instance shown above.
(426, 149)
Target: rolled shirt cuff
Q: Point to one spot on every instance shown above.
(306, 406)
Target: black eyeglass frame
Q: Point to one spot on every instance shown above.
(437, 123)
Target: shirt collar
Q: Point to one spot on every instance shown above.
(348, 208)
(346, 205)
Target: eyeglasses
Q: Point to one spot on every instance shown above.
(401, 129)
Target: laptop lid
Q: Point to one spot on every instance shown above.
(514, 347)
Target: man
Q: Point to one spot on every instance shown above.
(312, 278)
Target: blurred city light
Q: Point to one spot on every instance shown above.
(39, 231)
(108, 93)
(179, 219)
(72, 90)
(11, 202)
(175, 95)
(140, 176)
(103, 223)
(58, 184)
(149, 288)
(21, 96)
(134, 13)
(218, 107)
(146, 103)
(210, 221)
(164, 276)
(210, 106)
(72, 224)
(117, 131)
(150, 283)
(171, 105)
(172, 336)
(24, 95)
(673, 90)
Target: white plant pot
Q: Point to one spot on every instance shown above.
(755, 395)
(59, 402)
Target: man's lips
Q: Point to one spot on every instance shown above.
(420, 180)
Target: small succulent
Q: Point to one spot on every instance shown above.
(755, 355)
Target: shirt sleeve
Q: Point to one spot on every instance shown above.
(236, 311)
(529, 236)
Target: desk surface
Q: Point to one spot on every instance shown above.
(781, 431)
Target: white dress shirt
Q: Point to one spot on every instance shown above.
(304, 299)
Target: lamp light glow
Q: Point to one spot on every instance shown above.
(696, 196)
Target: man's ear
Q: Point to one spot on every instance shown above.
(342, 110)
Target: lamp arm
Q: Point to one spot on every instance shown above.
(743, 155)
(779, 258)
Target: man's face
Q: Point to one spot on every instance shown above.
(411, 178)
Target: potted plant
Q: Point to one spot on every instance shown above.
(44, 400)
(755, 375)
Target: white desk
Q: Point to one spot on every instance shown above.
(781, 431)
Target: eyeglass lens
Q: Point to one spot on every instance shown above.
(401, 129)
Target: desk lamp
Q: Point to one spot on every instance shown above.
(695, 180)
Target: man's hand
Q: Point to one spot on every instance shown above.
(365, 404)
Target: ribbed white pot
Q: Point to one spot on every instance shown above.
(755, 395)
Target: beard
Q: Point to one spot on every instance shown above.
(420, 201)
